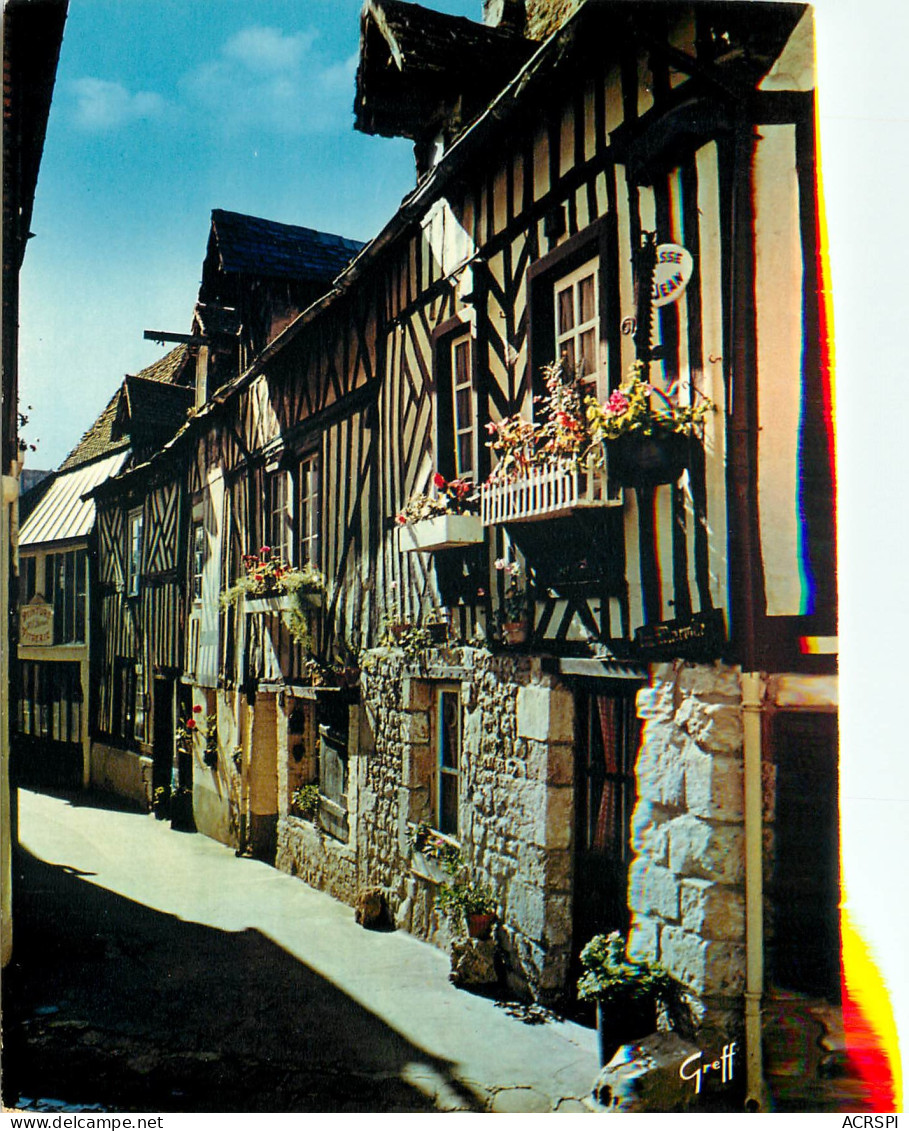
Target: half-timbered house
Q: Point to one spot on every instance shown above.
(159, 529)
(64, 612)
(658, 754)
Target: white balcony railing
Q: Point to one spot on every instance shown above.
(547, 491)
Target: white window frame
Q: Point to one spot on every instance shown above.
(135, 533)
(572, 336)
(443, 769)
(278, 525)
(197, 563)
(459, 428)
(308, 515)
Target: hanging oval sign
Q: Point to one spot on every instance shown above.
(671, 274)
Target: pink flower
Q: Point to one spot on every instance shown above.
(190, 724)
(617, 403)
(501, 563)
(492, 427)
(439, 481)
(197, 710)
(265, 550)
(401, 519)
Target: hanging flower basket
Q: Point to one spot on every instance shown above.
(637, 460)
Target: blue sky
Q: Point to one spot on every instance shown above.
(164, 110)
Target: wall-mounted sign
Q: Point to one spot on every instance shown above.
(671, 273)
(36, 623)
(700, 636)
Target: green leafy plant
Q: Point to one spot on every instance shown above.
(572, 426)
(204, 726)
(638, 407)
(306, 801)
(270, 576)
(561, 432)
(611, 978)
(465, 896)
(515, 604)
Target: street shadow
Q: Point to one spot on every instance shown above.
(109, 1002)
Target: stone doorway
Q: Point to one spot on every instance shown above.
(607, 739)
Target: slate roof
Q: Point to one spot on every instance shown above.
(252, 246)
(103, 437)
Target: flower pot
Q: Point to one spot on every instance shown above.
(635, 460)
(515, 632)
(619, 1023)
(479, 924)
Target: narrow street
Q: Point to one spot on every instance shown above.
(155, 971)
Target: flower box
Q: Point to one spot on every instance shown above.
(546, 491)
(441, 532)
(428, 868)
(276, 603)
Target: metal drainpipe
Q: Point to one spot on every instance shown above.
(752, 705)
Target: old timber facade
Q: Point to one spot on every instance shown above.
(660, 753)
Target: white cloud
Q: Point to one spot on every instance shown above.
(267, 48)
(265, 80)
(103, 105)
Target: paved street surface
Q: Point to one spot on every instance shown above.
(156, 971)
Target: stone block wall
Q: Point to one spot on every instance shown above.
(686, 887)
(516, 799)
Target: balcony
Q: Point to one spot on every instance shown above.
(547, 491)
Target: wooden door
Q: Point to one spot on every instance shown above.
(606, 748)
(804, 943)
(163, 730)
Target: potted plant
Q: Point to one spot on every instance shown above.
(471, 901)
(626, 992)
(441, 521)
(645, 436)
(305, 801)
(514, 611)
(160, 800)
